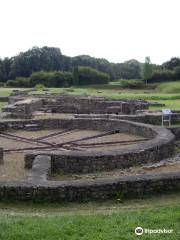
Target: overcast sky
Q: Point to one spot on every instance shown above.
(117, 30)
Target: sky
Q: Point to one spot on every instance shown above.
(117, 30)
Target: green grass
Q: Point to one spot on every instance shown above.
(2, 104)
(97, 227)
(114, 91)
(90, 221)
(171, 104)
(119, 94)
(5, 92)
(169, 87)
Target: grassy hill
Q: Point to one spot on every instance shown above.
(169, 87)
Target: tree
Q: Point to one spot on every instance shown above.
(172, 63)
(75, 76)
(36, 59)
(5, 66)
(147, 70)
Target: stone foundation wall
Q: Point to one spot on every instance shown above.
(128, 187)
(175, 131)
(153, 119)
(81, 105)
(87, 164)
(38, 188)
(81, 123)
(160, 145)
(24, 108)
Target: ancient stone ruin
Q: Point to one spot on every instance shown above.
(70, 148)
(23, 106)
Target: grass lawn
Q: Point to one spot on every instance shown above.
(114, 91)
(91, 221)
(5, 92)
(171, 104)
(171, 100)
(2, 104)
(169, 87)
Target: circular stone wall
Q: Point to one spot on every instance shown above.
(160, 145)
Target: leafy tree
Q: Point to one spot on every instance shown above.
(50, 59)
(36, 59)
(162, 75)
(75, 76)
(5, 66)
(147, 70)
(128, 70)
(177, 72)
(172, 63)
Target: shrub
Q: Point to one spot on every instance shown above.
(19, 82)
(62, 79)
(23, 82)
(88, 75)
(39, 87)
(52, 79)
(11, 83)
(2, 84)
(70, 90)
(40, 78)
(132, 84)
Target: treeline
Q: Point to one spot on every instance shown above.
(80, 76)
(168, 71)
(47, 65)
(50, 59)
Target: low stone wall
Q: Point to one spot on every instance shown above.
(81, 105)
(80, 191)
(154, 119)
(24, 108)
(99, 124)
(78, 162)
(37, 187)
(160, 145)
(175, 131)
